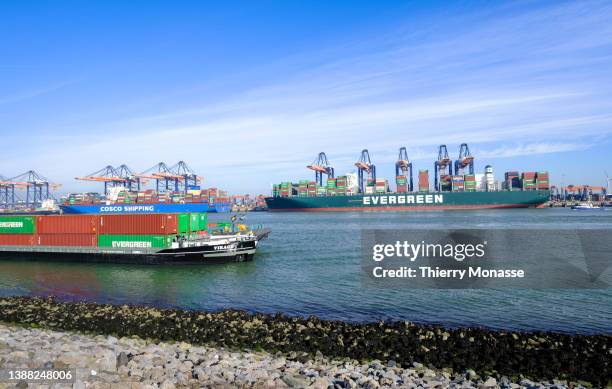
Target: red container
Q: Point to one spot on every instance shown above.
(67, 224)
(135, 224)
(82, 240)
(16, 240)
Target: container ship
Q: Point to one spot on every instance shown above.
(177, 189)
(121, 200)
(456, 186)
(133, 238)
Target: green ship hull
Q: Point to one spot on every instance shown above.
(411, 201)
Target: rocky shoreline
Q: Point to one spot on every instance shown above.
(312, 351)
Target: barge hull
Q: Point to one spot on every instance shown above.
(243, 251)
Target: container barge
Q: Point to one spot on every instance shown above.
(134, 238)
(363, 191)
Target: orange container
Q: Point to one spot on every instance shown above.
(67, 224)
(82, 240)
(136, 224)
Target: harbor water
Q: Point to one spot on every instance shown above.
(310, 265)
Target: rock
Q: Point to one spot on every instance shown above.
(167, 384)
(527, 383)
(295, 380)
(156, 374)
(320, 383)
(278, 363)
(122, 359)
(489, 383)
(318, 356)
(18, 356)
(107, 360)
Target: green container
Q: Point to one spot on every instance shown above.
(135, 241)
(192, 222)
(17, 225)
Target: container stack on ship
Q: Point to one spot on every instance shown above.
(177, 189)
(456, 186)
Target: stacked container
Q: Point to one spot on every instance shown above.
(67, 230)
(286, 189)
(529, 180)
(331, 186)
(402, 184)
(303, 188)
(118, 231)
(341, 185)
(312, 188)
(370, 187)
(423, 180)
(458, 184)
(382, 185)
(469, 181)
(542, 181)
(446, 182)
(512, 181)
(17, 230)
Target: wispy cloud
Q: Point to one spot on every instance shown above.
(33, 93)
(532, 149)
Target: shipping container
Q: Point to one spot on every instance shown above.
(67, 224)
(17, 225)
(135, 241)
(137, 224)
(16, 239)
(79, 239)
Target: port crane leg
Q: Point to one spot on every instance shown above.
(411, 189)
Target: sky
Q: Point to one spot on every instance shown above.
(248, 93)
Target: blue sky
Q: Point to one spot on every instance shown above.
(249, 92)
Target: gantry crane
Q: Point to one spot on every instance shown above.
(162, 174)
(112, 177)
(465, 160)
(365, 165)
(321, 166)
(441, 165)
(7, 192)
(404, 167)
(174, 178)
(37, 188)
(188, 178)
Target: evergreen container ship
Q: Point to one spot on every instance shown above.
(458, 188)
(411, 201)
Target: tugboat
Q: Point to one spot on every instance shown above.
(231, 247)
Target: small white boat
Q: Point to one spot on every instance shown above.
(585, 206)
